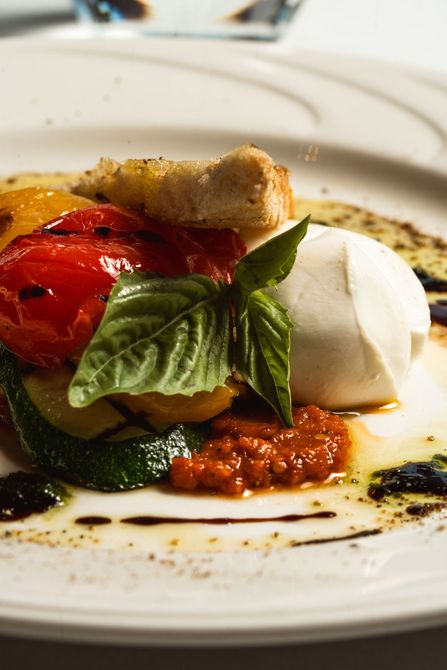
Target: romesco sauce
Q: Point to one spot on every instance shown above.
(251, 449)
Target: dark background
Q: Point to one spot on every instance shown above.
(416, 650)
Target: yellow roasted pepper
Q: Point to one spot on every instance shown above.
(22, 211)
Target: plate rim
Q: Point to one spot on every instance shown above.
(58, 623)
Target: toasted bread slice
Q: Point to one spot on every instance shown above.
(243, 189)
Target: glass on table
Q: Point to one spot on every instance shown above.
(258, 19)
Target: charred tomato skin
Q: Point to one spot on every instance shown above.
(54, 282)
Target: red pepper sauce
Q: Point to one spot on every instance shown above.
(250, 449)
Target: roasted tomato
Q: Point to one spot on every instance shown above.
(54, 283)
(210, 252)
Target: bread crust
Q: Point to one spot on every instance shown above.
(242, 189)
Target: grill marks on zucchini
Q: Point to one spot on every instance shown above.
(104, 419)
(47, 390)
(106, 466)
(132, 419)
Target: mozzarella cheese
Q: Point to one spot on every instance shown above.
(360, 318)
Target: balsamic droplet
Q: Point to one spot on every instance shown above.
(93, 520)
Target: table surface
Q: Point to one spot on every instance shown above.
(410, 651)
(405, 31)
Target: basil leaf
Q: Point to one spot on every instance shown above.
(164, 334)
(262, 324)
(262, 351)
(270, 263)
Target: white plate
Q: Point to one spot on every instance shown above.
(381, 135)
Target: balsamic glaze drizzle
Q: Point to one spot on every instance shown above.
(223, 521)
(352, 536)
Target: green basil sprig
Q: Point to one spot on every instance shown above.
(262, 324)
(262, 351)
(271, 262)
(172, 334)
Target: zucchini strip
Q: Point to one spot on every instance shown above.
(104, 466)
